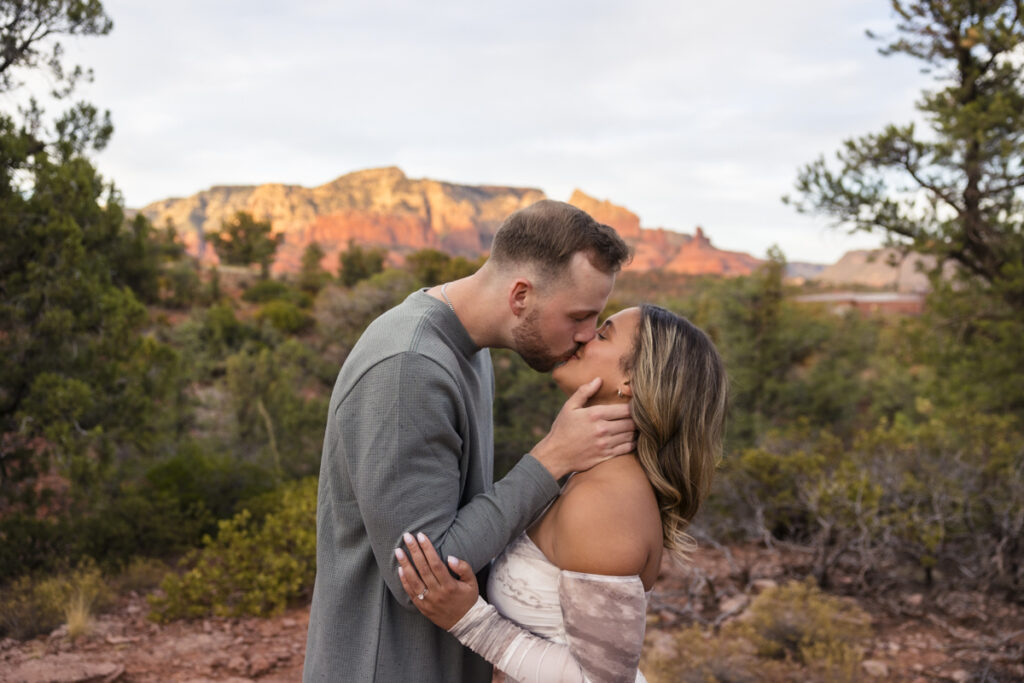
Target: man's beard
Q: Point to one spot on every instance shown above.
(530, 346)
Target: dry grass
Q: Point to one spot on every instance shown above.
(78, 614)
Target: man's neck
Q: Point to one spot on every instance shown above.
(475, 302)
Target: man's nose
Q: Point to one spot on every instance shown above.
(584, 334)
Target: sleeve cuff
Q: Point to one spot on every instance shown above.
(539, 474)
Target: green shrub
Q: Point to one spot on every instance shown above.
(179, 285)
(138, 519)
(798, 621)
(202, 481)
(266, 291)
(700, 657)
(249, 568)
(30, 606)
(30, 545)
(219, 332)
(285, 316)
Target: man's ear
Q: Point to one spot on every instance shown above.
(518, 295)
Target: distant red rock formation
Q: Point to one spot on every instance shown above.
(698, 257)
(660, 249)
(625, 222)
(383, 207)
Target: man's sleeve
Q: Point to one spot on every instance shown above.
(402, 449)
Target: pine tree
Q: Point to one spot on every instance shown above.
(952, 191)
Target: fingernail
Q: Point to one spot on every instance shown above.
(399, 555)
(408, 538)
(421, 537)
(452, 560)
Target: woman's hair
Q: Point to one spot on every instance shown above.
(679, 400)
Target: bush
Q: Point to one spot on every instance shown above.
(285, 317)
(179, 285)
(249, 568)
(266, 291)
(799, 622)
(29, 545)
(31, 606)
(200, 482)
(704, 658)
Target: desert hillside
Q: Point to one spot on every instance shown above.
(384, 207)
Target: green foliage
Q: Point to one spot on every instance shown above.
(432, 267)
(210, 336)
(943, 492)
(800, 622)
(312, 275)
(249, 568)
(524, 408)
(356, 264)
(30, 606)
(972, 338)
(342, 314)
(266, 291)
(77, 380)
(198, 479)
(180, 286)
(701, 657)
(968, 166)
(285, 316)
(29, 544)
(273, 419)
(793, 632)
(135, 520)
(758, 490)
(952, 192)
(242, 240)
(785, 361)
(29, 36)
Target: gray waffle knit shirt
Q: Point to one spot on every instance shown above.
(409, 447)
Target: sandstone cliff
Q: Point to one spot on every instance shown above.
(383, 207)
(879, 268)
(660, 249)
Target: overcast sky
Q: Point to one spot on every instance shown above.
(686, 113)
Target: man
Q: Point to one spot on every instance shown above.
(409, 442)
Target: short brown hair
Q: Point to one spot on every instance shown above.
(548, 233)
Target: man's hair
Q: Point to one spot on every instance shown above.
(548, 233)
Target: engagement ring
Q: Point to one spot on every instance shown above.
(423, 594)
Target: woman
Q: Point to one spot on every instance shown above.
(568, 597)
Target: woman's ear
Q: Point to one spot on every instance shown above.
(625, 389)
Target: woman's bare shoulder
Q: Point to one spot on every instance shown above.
(607, 521)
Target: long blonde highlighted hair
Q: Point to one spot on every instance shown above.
(679, 400)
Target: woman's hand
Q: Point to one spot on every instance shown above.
(434, 591)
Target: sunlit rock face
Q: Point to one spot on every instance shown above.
(883, 269)
(660, 249)
(382, 207)
(698, 257)
(625, 222)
